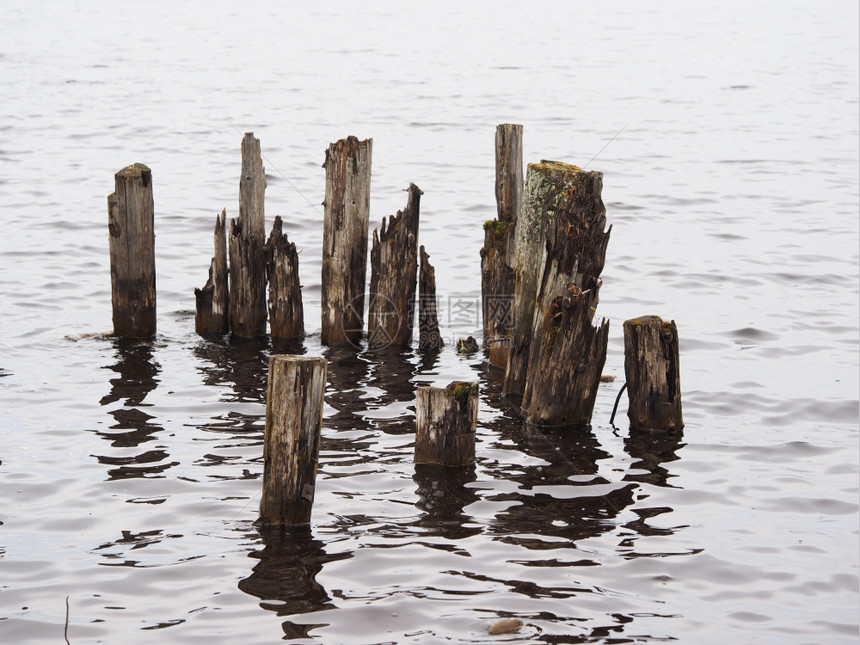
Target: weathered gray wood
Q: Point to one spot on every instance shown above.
(131, 225)
(247, 246)
(446, 419)
(213, 300)
(286, 314)
(652, 370)
(566, 352)
(428, 321)
(345, 227)
(393, 276)
(294, 407)
(498, 252)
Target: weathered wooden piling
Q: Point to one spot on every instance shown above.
(345, 226)
(286, 314)
(428, 321)
(294, 407)
(651, 367)
(213, 300)
(559, 358)
(131, 225)
(247, 242)
(446, 420)
(498, 252)
(393, 276)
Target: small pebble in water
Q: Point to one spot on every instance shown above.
(505, 626)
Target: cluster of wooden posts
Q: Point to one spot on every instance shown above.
(540, 265)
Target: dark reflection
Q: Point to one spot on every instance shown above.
(652, 449)
(442, 495)
(241, 363)
(392, 369)
(284, 579)
(347, 378)
(137, 373)
(117, 553)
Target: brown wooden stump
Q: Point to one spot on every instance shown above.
(446, 420)
(651, 367)
(393, 276)
(213, 300)
(345, 226)
(294, 408)
(286, 314)
(131, 225)
(566, 352)
(498, 252)
(428, 321)
(247, 246)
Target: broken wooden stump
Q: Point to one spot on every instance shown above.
(559, 358)
(247, 242)
(446, 420)
(651, 367)
(286, 314)
(345, 226)
(294, 409)
(213, 300)
(498, 252)
(428, 321)
(131, 225)
(393, 276)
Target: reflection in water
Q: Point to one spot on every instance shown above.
(137, 372)
(392, 369)
(117, 552)
(242, 363)
(442, 495)
(284, 579)
(652, 449)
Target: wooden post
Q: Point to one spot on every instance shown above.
(294, 407)
(566, 352)
(651, 367)
(446, 420)
(131, 224)
(498, 252)
(213, 300)
(247, 242)
(393, 276)
(345, 226)
(428, 322)
(286, 315)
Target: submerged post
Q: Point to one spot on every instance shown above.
(559, 355)
(651, 367)
(213, 303)
(393, 276)
(286, 314)
(247, 241)
(131, 225)
(446, 420)
(428, 321)
(345, 226)
(294, 407)
(498, 252)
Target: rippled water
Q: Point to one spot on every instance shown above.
(130, 472)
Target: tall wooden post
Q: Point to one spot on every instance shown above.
(393, 276)
(294, 408)
(131, 225)
(498, 252)
(345, 226)
(213, 300)
(428, 321)
(286, 314)
(446, 420)
(651, 367)
(247, 241)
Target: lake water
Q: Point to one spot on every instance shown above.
(130, 473)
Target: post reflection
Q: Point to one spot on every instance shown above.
(284, 578)
(442, 495)
(241, 363)
(652, 449)
(137, 373)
